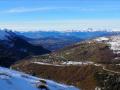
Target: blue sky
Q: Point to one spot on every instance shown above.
(59, 14)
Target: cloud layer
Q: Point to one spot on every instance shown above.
(38, 9)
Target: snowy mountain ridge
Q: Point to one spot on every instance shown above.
(13, 80)
(3, 35)
(7, 34)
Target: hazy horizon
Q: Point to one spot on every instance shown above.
(61, 15)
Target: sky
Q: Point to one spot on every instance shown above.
(31, 15)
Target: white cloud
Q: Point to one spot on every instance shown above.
(23, 9)
(37, 9)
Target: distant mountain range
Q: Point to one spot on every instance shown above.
(56, 34)
(55, 40)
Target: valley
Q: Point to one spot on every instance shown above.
(91, 63)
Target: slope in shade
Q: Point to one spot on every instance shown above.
(14, 47)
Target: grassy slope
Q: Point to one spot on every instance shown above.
(86, 77)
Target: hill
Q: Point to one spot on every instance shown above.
(94, 63)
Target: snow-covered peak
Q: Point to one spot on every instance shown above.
(3, 35)
(13, 80)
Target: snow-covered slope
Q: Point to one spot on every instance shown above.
(13, 80)
(6, 34)
(3, 35)
(113, 41)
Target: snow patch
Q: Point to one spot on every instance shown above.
(76, 63)
(65, 63)
(102, 39)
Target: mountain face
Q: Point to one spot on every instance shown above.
(55, 40)
(95, 63)
(13, 80)
(99, 50)
(14, 47)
